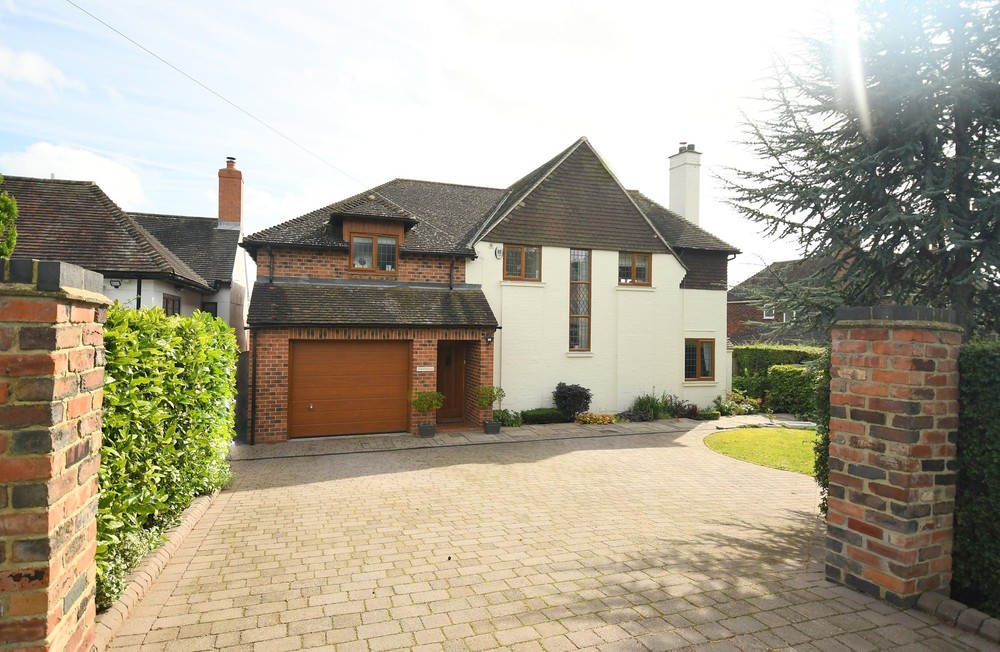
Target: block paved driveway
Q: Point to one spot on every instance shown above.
(594, 539)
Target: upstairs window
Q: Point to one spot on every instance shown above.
(373, 253)
(633, 269)
(769, 313)
(522, 263)
(699, 359)
(579, 300)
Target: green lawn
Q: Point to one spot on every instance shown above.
(778, 448)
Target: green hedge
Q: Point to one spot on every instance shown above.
(543, 415)
(167, 425)
(791, 389)
(756, 359)
(821, 449)
(976, 556)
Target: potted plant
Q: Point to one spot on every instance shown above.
(425, 402)
(486, 396)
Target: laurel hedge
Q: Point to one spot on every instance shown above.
(976, 556)
(167, 425)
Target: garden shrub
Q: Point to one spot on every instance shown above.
(754, 387)
(976, 556)
(167, 425)
(543, 415)
(756, 359)
(735, 402)
(571, 400)
(707, 415)
(650, 404)
(792, 389)
(821, 415)
(595, 419)
(635, 416)
(508, 418)
(675, 407)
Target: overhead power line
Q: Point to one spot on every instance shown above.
(219, 95)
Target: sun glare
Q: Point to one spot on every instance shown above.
(850, 72)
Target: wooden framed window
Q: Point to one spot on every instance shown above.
(579, 300)
(768, 313)
(171, 304)
(699, 359)
(522, 263)
(634, 269)
(376, 253)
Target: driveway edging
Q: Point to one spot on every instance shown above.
(139, 581)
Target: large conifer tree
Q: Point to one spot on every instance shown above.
(881, 150)
(8, 215)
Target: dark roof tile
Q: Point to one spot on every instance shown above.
(74, 221)
(364, 305)
(680, 233)
(207, 247)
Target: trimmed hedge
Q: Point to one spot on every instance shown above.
(791, 389)
(543, 415)
(756, 359)
(976, 556)
(167, 425)
(821, 449)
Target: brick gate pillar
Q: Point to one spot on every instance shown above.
(893, 422)
(51, 379)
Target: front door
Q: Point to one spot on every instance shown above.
(451, 380)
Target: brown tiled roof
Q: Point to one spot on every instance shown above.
(365, 305)
(443, 216)
(680, 233)
(574, 200)
(74, 221)
(571, 200)
(772, 277)
(198, 241)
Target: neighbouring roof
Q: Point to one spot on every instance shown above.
(775, 275)
(74, 221)
(290, 304)
(198, 241)
(572, 200)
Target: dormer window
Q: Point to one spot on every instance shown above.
(373, 253)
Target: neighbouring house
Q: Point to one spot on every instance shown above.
(565, 276)
(753, 316)
(178, 263)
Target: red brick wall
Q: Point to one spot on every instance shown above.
(739, 317)
(894, 415)
(51, 380)
(327, 264)
(230, 193)
(269, 373)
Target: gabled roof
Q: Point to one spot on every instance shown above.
(772, 277)
(74, 221)
(680, 233)
(572, 200)
(334, 304)
(443, 215)
(199, 241)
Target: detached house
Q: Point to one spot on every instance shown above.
(565, 276)
(180, 264)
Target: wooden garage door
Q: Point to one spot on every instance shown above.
(348, 387)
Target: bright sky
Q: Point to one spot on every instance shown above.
(458, 91)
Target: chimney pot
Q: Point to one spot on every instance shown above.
(690, 147)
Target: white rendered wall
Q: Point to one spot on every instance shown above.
(637, 333)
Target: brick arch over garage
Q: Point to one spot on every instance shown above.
(271, 362)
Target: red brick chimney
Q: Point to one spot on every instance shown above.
(230, 193)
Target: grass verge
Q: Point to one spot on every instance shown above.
(778, 448)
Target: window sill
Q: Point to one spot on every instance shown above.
(524, 284)
(579, 354)
(706, 383)
(636, 288)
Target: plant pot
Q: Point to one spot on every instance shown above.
(427, 429)
(491, 427)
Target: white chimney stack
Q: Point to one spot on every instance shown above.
(685, 188)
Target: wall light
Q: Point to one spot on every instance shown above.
(115, 283)
(489, 339)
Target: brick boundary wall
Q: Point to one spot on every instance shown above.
(893, 432)
(51, 389)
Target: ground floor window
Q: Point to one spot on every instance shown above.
(171, 304)
(579, 300)
(211, 307)
(699, 359)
